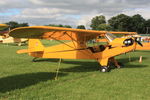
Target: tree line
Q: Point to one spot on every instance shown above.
(121, 22)
(14, 24)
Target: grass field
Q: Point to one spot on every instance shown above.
(22, 79)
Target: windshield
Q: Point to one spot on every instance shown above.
(110, 36)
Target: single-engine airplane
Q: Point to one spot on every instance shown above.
(76, 48)
(5, 38)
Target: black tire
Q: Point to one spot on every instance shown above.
(105, 69)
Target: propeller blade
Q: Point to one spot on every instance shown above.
(140, 43)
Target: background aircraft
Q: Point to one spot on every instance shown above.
(5, 38)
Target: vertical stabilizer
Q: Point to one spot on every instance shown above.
(35, 44)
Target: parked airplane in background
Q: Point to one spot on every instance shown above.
(76, 46)
(5, 38)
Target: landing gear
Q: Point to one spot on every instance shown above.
(108, 64)
(115, 63)
(105, 69)
(119, 65)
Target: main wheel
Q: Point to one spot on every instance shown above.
(104, 69)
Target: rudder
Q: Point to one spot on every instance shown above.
(35, 44)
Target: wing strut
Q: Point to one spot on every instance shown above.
(72, 39)
(62, 42)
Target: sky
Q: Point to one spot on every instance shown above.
(68, 12)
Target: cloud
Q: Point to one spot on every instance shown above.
(48, 3)
(70, 12)
(142, 11)
(44, 12)
(86, 19)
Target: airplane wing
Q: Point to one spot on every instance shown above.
(125, 33)
(47, 32)
(56, 33)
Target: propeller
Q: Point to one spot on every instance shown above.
(137, 39)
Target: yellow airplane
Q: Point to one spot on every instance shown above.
(5, 38)
(77, 47)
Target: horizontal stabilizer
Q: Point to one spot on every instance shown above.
(28, 51)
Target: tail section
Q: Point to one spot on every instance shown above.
(34, 45)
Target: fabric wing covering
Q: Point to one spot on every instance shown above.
(57, 33)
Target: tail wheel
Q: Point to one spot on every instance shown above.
(105, 69)
(34, 59)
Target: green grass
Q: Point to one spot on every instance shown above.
(22, 79)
